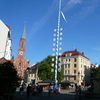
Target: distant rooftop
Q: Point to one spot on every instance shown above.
(74, 53)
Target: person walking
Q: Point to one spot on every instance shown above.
(28, 91)
(35, 90)
(49, 91)
(40, 89)
(21, 91)
(80, 92)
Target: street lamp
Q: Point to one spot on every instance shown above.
(78, 78)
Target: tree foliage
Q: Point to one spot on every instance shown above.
(8, 74)
(44, 70)
(95, 72)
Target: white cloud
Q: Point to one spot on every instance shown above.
(39, 24)
(71, 4)
(88, 8)
(82, 8)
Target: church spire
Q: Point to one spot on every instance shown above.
(24, 31)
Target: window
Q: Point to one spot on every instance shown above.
(74, 65)
(74, 59)
(34, 75)
(81, 65)
(65, 71)
(65, 65)
(68, 71)
(68, 78)
(74, 77)
(68, 65)
(74, 71)
(62, 66)
(66, 55)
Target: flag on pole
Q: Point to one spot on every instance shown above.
(63, 16)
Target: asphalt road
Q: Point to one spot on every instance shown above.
(63, 95)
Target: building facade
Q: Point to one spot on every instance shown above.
(20, 63)
(31, 74)
(76, 67)
(5, 41)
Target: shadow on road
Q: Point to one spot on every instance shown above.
(44, 96)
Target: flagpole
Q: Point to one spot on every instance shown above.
(57, 48)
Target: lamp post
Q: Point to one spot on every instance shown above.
(78, 78)
(84, 82)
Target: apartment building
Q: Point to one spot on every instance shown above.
(76, 66)
(31, 74)
(5, 41)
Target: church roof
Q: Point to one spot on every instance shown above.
(24, 32)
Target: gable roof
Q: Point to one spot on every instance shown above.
(3, 60)
(74, 53)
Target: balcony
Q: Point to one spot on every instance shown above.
(82, 75)
(67, 62)
(74, 74)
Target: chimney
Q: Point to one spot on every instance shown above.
(76, 49)
(82, 53)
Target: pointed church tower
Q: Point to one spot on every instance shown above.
(20, 63)
(21, 50)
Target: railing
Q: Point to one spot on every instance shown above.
(77, 74)
(74, 74)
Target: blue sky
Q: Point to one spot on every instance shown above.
(82, 30)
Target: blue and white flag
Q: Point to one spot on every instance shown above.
(63, 16)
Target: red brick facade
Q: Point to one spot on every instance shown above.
(20, 63)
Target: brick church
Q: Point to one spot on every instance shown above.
(20, 63)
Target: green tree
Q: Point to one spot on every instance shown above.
(8, 74)
(44, 70)
(95, 72)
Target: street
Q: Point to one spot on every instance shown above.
(63, 95)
